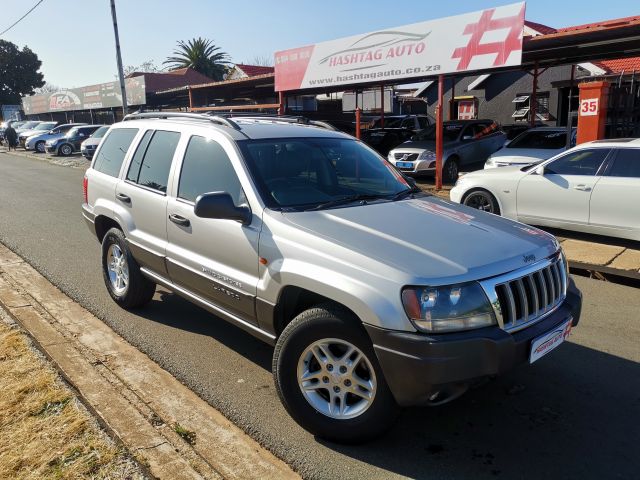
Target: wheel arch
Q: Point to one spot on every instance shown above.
(103, 224)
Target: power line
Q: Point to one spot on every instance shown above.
(21, 18)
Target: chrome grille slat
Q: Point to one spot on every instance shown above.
(534, 293)
(525, 296)
(524, 308)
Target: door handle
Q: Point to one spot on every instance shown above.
(123, 198)
(179, 220)
(582, 187)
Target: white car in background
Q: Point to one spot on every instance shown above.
(532, 146)
(593, 188)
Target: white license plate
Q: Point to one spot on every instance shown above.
(404, 164)
(549, 341)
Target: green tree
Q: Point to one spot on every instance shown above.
(201, 55)
(19, 74)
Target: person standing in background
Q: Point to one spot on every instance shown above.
(11, 136)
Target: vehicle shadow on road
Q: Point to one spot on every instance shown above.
(173, 311)
(574, 415)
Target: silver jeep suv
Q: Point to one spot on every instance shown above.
(375, 294)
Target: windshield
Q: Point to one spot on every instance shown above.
(450, 133)
(541, 139)
(28, 125)
(99, 133)
(45, 126)
(309, 172)
(389, 122)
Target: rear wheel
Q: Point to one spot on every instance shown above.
(482, 200)
(65, 150)
(328, 377)
(126, 284)
(450, 170)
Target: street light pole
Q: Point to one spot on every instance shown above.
(119, 58)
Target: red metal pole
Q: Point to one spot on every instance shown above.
(439, 133)
(281, 103)
(534, 99)
(358, 122)
(382, 106)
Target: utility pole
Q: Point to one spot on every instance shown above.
(119, 58)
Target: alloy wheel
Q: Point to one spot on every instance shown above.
(479, 201)
(118, 269)
(336, 378)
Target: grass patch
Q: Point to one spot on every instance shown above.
(188, 435)
(44, 432)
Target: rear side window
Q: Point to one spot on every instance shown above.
(113, 150)
(581, 162)
(153, 171)
(136, 161)
(207, 168)
(627, 163)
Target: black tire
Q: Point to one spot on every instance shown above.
(65, 150)
(139, 289)
(450, 170)
(482, 199)
(39, 147)
(321, 322)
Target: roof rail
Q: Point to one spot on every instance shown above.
(281, 118)
(220, 120)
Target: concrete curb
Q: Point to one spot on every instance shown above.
(139, 402)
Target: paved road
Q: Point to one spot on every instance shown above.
(574, 415)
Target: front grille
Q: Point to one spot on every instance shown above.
(522, 298)
(409, 157)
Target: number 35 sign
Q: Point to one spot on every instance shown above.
(589, 106)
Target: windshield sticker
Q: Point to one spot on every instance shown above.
(442, 211)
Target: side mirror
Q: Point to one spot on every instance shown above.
(220, 205)
(540, 170)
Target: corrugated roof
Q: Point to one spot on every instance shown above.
(538, 27)
(626, 65)
(156, 81)
(253, 70)
(603, 24)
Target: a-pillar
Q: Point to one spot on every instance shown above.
(592, 111)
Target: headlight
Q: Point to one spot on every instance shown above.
(490, 161)
(449, 308)
(426, 155)
(390, 157)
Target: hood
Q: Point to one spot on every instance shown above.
(92, 141)
(525, 155)
(45, 136)
(28, 133)
(429, 239)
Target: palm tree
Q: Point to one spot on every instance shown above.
(201, 55)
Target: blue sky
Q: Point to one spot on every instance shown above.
(74, 38)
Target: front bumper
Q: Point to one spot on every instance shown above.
(51, 148)
(416, 366)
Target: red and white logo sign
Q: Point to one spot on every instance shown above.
(589, 107)
(466, 110)
(472, 41)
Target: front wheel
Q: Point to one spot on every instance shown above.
(65, 150)
(482, 200)
(328, 377)
(39, 147)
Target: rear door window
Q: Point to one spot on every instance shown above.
(113, 150)
(627, 163)
(153, 171)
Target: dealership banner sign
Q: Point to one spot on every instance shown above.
(103, 95)
(473, 41)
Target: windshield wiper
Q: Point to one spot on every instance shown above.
(346, 200)
(404, 193)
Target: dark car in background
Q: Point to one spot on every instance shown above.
(383, 136)
(467, 144)
(71, 142)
